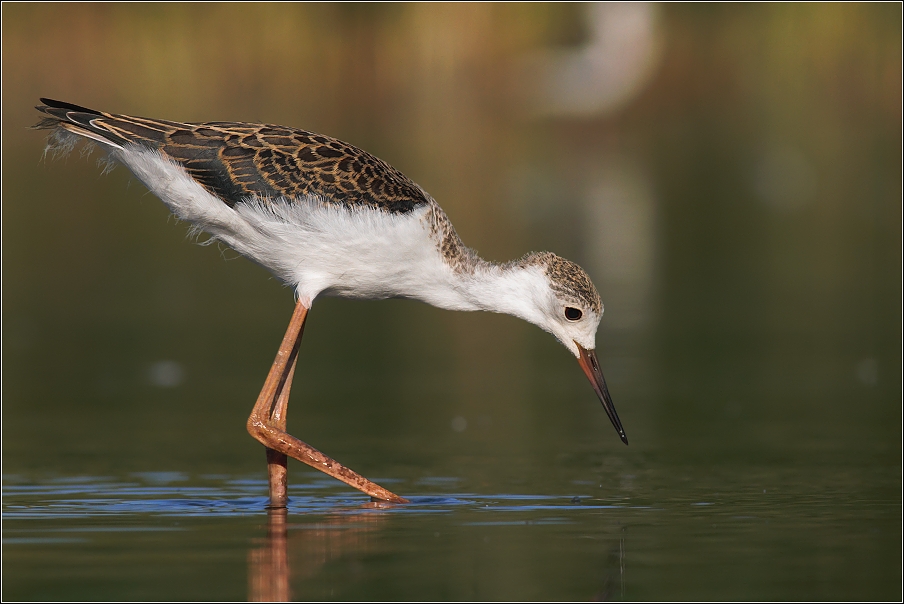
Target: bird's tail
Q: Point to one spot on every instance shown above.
(70, 123)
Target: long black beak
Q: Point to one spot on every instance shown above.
(591, 368)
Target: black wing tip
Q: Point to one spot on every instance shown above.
(52, 104)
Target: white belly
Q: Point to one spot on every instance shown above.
(330, 250)
(316, 247)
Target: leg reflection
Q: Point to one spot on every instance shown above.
(268, 565)
(314, 544)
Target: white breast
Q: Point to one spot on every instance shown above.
(351, 253)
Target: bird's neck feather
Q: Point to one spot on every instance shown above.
(511, 289)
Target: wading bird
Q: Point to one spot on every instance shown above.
(329, 219)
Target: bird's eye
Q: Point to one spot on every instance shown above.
(573, 314)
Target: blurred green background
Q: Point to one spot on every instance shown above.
(729, 175)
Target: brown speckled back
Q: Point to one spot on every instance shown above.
(235, 160)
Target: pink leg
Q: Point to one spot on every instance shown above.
(267, 423)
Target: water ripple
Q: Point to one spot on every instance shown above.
(173, 494)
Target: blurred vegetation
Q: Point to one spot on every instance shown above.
(766, 277)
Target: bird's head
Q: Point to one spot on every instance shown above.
(570, 309)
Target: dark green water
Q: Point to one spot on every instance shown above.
(740, 215)
(674, 531)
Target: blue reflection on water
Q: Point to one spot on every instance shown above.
(173, 494)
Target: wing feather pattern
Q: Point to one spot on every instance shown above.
(236, 161)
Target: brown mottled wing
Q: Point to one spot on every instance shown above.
(237, 161)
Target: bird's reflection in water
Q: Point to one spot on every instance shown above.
(268, 564)
(292, 553)
(312, 547)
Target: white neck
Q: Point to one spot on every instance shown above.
(515, 290)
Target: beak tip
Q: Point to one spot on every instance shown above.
(587, 360)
